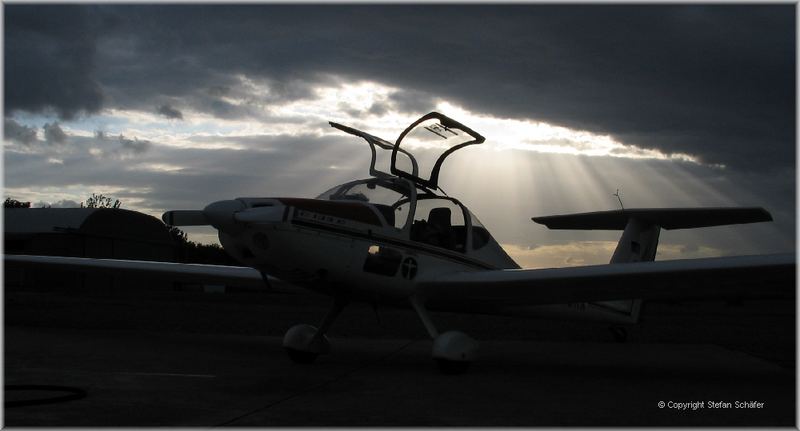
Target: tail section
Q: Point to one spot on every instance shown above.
(641, 227)
(639, 242)
(640, 232)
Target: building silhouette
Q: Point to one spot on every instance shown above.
(85, 232)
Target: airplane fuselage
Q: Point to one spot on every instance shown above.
(340, 249)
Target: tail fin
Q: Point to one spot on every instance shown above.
(641, 229)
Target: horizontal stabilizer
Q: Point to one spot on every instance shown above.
(185, 218)
(667, 218)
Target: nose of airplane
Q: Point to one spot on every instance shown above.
(220, 214)
(272, 213)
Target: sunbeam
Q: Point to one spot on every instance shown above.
(525, 168)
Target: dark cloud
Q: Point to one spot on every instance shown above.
(50, 59)
(170, 112)
(134, 146)
(53, 134)
(18, 133)
(379, 108)
(413, 101)
(110, 147)
(717, 81)
(225, 110)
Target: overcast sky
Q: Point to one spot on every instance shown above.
(172, 107)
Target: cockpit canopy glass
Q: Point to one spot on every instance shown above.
(438, 220)
(386, 194)
(431, 139)
(386, 191)
(378, 147)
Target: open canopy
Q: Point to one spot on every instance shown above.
(433, 132)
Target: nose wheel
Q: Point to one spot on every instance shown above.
(304, 343)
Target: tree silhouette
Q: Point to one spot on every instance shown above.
(101, 201)
(177, 235)
(13, 203)
(193, 252)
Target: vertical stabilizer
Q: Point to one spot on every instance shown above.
(638, 243)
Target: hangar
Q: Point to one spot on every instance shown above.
(85, 232)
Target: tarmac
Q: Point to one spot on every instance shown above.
(203, 360)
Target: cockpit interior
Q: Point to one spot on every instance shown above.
(408, 201)
(426, 216)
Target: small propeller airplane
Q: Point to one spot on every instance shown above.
(396, 238)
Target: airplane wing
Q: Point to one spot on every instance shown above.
(765, 276)
(185, 272)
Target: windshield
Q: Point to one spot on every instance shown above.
(386, 194)
(374, 190)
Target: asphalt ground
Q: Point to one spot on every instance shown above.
(200, 359)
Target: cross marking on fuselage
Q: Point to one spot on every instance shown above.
(409, 268)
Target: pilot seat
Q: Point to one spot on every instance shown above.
(437, 231)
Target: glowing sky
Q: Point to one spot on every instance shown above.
(167, 109)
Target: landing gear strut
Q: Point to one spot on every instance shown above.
(453, 351)
(303, 343)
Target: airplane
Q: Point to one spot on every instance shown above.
(396, 238)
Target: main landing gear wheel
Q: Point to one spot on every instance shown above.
(303, 343)
(454, 351)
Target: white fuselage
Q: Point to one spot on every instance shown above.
(338, 256)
